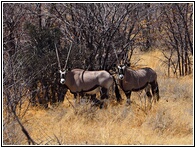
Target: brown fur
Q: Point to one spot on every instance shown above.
(89, 82)
(135, 80)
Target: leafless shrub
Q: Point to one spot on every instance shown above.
(177, 32)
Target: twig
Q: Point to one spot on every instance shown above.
(30, 140)
(57, 139)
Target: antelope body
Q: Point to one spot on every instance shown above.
(135, 80)
(89, 82)
(79, 80)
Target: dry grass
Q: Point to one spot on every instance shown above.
(169, 122)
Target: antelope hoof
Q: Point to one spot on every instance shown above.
(128, 102)
(101, 105)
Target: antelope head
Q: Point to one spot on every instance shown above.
(62, 76)
(121, 71)
(62, 71)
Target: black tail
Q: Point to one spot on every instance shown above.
(157, 92)
(117, 92)
(155, 89)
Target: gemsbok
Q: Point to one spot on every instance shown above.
(80, 81)
(135, 80)
(88, 82)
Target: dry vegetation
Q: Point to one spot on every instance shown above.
(33, 31)
(169, 122)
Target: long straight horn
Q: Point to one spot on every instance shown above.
(116, 56)
(126, 57)
(57, 55)
(67, 56)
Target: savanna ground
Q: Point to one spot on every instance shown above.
(169, 122)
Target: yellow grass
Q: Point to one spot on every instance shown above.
(169, 122)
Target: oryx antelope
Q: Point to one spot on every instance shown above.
(135, 80)
(80, 81)
(89, 82)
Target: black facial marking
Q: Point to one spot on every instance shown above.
(120, 70)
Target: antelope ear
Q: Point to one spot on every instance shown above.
(62, 72)
(119, 67)
(128, 64)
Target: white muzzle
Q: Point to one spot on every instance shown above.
(121, 76)
(62, 81)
